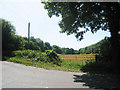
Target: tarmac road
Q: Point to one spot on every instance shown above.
(21, 76)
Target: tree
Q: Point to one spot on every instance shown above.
(32, 39)
(90, 16)
(41, 44)
(19, 42)
(102, 47)
(8, 32)
(69, 51)
(33, 46)
(47, 46)
(57, 49)
(10, 41)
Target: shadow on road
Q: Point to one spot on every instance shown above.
(98, 81)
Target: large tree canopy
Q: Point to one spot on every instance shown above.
(92, 17)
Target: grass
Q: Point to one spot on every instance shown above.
(66, 65)
(51, 60)
(83, 65)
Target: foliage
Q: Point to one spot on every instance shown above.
(57, 49)
(47, 46)
(48, 57)
(10, 41)
(92, 17)
(65, 65)
(14, 42)
(53, 57)
(69, 51)
(75, 15)
(102, 47)
(23, 53)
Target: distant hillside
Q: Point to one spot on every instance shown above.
(103, 45)
(38, 44)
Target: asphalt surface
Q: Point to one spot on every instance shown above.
(21, 76)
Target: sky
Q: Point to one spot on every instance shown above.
(21, 12)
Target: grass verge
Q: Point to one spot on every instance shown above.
(66, 65)
(69, 65)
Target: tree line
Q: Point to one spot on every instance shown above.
(12, 42)
(103, 46)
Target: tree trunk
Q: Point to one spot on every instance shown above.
(114, 19)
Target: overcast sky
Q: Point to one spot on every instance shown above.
(20, 12)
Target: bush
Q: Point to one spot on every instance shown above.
(47, 57)
(21, 53)
(41, 57)
(53, 57)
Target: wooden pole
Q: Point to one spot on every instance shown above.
(28, 34)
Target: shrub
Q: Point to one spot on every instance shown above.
(47, 57)
(53, 57)
(21, 53)
(41, 57)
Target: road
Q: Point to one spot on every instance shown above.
(21, 76)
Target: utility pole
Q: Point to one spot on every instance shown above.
(28, 34)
